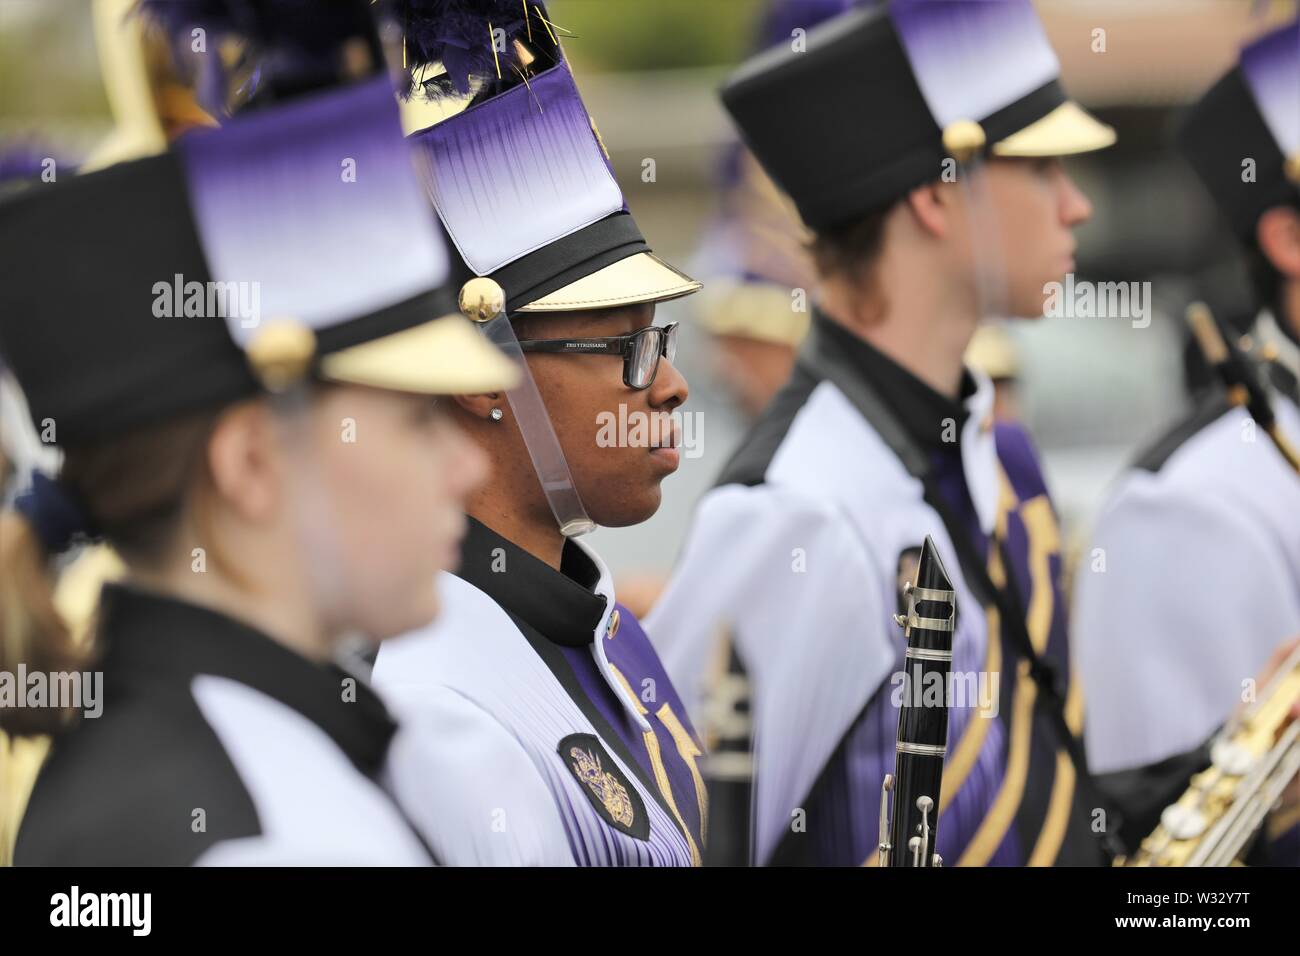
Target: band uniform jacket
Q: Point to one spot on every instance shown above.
(797, 557)
(607, 767)
(215, 746)
(1191, 581)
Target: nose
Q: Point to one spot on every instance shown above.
(1076, 208)
(669, 389)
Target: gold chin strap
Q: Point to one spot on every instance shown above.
(964, 141)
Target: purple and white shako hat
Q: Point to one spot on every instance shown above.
(1250, 120)
(520, 176)
(293, 242)
(873, 101)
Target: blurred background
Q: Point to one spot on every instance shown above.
(1091, 390)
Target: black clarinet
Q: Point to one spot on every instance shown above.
(909, 836)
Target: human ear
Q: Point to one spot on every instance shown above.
(1278, 236)
(931, 206)
(480, 406)
(244, 461)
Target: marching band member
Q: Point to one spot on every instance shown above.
(920, 142)
(1201, 546)
(276, 479)
(532, 634)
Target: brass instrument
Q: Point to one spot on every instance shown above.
(909, 836)
(1254, 757)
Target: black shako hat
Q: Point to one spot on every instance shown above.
(520, 176)
(294, 240)
(870, 104)
(1243, 136)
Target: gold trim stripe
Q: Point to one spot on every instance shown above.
(1042, 538)
(993, 827)
(976, 732)
(661, 772)
(1052, 835)
(689, 752)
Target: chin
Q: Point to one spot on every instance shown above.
(631, 510)
(1029, 307)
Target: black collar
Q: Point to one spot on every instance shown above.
(562, 605)
(149, 639)
(920, 409)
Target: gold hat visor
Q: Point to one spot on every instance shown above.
(752, 310)
(642, 277)
(1066, 130)
(446, 356)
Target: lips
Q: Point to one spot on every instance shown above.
(669, 433)
(669, 457)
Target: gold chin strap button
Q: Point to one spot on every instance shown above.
(481, 299)
(281, 353)
(612, 627)
(1292, 168)
(963, 139)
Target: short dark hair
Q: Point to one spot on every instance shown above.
(851, 251)
(852, 248)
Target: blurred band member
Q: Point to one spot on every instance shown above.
(208, 443)
(1200, 538)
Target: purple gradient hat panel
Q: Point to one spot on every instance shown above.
(317, 202)
(519, 171)
(783, 17)
(971, 58)
(1271, 66)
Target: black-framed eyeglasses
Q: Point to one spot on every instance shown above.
(641, 350)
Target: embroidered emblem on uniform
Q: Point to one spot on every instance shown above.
(613, 795)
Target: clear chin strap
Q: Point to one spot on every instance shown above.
(483, 301)
(964, 141)
(280, 355)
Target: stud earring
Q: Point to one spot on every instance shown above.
(496, 414)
